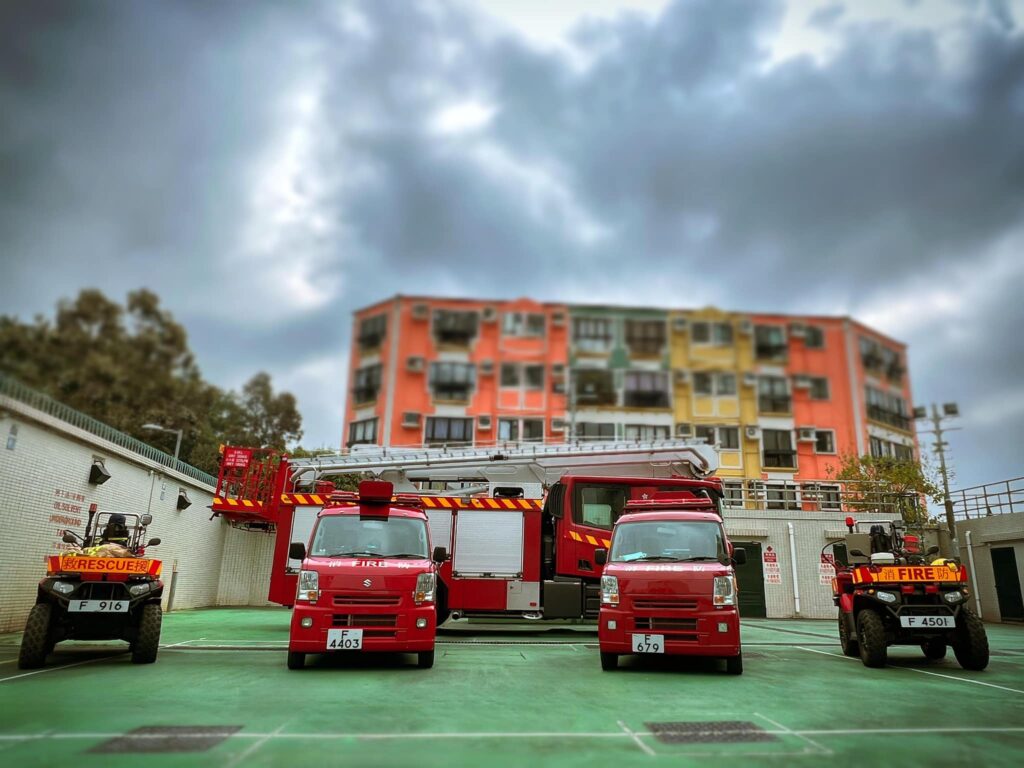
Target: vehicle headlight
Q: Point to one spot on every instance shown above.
(309, 586)
(609, 590)
(725, 590)
(425, 586)
(953, 597)
(886, 597)
(64, 587)
(138, 589)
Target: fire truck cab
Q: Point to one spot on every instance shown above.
(368, 580)
(668, 585)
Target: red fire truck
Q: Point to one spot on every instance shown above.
(368, 580)
(522, 524)
(669, 586)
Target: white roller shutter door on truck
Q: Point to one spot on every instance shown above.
(488, 543)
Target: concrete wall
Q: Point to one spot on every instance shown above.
(987, 532)
(44, 488)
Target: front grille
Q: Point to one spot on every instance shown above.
(364, 620)
(360, 599)
(663, 624)
(672, 603)
(102, 590)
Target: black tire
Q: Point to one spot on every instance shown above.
(296, 660)
(734, 664)
(147, 637)
(850, 646)
(871, 634)
(36, 641)
(934, 649)
(425, 659)
(970, 643)
(609, 661)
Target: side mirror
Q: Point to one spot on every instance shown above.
(601, 556)
(297, 551)
(69, 538)
(933, 550)
(857, 553)
(739, 556)
(440, 555)
(146, 519)
(153, 542)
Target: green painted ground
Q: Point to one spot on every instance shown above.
(502, 697)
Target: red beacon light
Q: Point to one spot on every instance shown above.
(375, 498)
(850, 522)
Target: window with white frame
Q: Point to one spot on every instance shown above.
(824, 441)
(523, 324)
(726, 438)
(781, 496)
(367, 383)
(819, 388)
(510, 375)
(778, 449)
(715, 334)
(592, 334)
(646, 389)
(707, 383)
(364, 431)
(534, 376)
(647, 432)
(452, 381)
(443, 430)
(814, 337)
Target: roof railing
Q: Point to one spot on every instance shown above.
(1002, 497)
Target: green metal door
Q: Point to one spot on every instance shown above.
(1004, 567)
(750, 578)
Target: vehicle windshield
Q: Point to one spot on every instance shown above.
(670, 540)
(352, 536)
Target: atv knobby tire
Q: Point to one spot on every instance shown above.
(147, 639)
(970, 643)
(871, 638)
(850, 646)
(36, 642)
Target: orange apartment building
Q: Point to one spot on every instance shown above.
(781, 396)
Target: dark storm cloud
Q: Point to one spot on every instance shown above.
(267, 168)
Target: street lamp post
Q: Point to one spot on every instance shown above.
(178, 432)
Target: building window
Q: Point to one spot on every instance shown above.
(508, 429)
(592, 334)
(825, 496)
(725, 384)
(367, 384)
(824, 441)
(533, 430)
(819, 388)
(589, 430)
(733, 494)
(714, 383)
(814, 337)
(362, 432)
(903, 452)
(881, 360)
(646, 389)
(773, 395)
(594, 387)
(781, 496)
(371, 332)
(887, 408)
(778, 449)
(455, 327)
(523, 324)
(769, 342)
(534, 375)
(647, 432)
(509, 375)
(645, 337)
(886, 449)
(718, 334)
(452, 381)
(441, 430)
(726, 438)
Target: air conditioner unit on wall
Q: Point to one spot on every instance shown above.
(486, 367)
(420, 312)
(806, 434)
(750, 379)
(558, 425)
(415, 364)
(802, 382)
(680, 324)
(411, 418)
(558, 319)
(752, 433)
(483, 422)
(489, 315)
(684, 430)
(797, 330)
(682, 377)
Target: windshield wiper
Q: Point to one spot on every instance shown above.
(355, 554)
(699, 557)
(660, 557)
(407, 554)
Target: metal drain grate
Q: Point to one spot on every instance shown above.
(709, 732)
(168, 738)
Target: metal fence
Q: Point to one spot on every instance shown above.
(989, 499)
(15, 390)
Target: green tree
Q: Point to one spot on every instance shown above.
(884, 482)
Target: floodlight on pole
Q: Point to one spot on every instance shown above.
(159, 428)
(949, 410)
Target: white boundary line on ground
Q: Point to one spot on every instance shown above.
(921, 671)
(254, 746)
(821, 750)
(646, 748)
(74, 664)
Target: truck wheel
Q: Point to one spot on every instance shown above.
(871, 632)
(147, 638)
(296, 660)
(609, 661)
(425, 659)
(970, 643)
(734, 664)
(934, 649)
(35, 642)
(850, 646)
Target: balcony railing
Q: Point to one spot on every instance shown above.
(774, 404)
(451, 392)
(651, 346)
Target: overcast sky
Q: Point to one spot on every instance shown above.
(266, 168)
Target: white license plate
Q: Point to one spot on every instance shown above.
(344, 639)
(928, 622)
(98, 606)
(648, 643)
